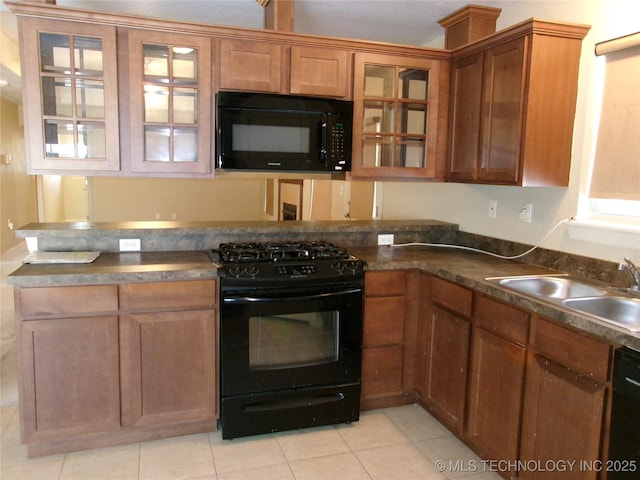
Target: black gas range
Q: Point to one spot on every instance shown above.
(279, 263)
(290, 336)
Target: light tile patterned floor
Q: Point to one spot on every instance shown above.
(403, 443)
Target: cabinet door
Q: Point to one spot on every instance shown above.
(502, 113)
(395, 116)
(71, 103)
(466, 102)
(169, 367)
(170, 102)
(447, 352)
(563, 420)
(252, 66)
(496, 389)
(70, 381)
(320, 71)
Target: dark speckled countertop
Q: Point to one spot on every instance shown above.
(468, 269)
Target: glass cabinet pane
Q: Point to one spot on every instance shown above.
(91, 140)
(88, 56)
(379, 81)
(413, 118)
(185, 145)
(185, 65)
(89, 98)
(414, 84)
(185, 105)
(377, 151)
(410, 153)
(59, 140)
(157, 143)
(55, 53)
(56, 96)
(156, 104)
(156, 62)
(378, 117)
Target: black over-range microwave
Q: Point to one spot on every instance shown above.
(265, 132)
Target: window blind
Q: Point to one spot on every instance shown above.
(616, 170)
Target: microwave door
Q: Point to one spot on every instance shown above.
(269, 140)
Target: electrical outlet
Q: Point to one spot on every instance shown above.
(526, 212)
(493, 208)
(385, 239)
(129, 244)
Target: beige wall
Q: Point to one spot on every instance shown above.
(17, 190)
(467, 205)
(138, 199)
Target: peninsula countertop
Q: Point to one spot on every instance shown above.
(465, 268)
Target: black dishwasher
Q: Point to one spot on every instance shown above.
(624, 443)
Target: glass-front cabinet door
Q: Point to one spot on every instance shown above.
(170, 108)
(71, 96)
(395, 116)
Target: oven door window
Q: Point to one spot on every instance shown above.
(293, 340)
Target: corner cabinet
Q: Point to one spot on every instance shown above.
(169, 102)
(513, 103)
(70, 88)
(397, 103)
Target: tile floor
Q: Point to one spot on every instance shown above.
(394, 443)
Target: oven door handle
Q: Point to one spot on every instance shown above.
(289, 297)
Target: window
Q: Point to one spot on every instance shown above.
(612, 200)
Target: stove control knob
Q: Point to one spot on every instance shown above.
(352, 266)
(251, 270)
(338, 266)
(235, 270)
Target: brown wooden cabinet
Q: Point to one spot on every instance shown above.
(447, 337)
(513, 101)
(383, 338)
(397, 102)
(68, 361)
(169, 352)
(497, 379)
(107, 364)
(567, 400)
(170, 97)
(70, 78)
(278, 68)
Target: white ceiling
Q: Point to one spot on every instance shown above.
(411, 22)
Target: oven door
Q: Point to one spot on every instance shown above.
(278, 339)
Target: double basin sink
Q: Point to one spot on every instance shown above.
(604, 304)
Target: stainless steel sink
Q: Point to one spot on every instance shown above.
(551, 287)
(621, 311)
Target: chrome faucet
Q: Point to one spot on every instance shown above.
(634, 272)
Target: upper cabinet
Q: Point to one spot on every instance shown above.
(396, 109)
(170, 102)
(513, 102)
(70, 93)
(277, 68)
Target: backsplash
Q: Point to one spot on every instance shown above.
(602, 270)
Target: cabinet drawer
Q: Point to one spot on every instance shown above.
(169, 295)
(577, 351)
(452, 297)
(73, 300)
(504, 320)
(384, 283)
(383, 321)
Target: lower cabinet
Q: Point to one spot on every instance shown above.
(517, 388)
(447, 336)
(383, 338)
(107, 364)
(497, 379)
(567, 402)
